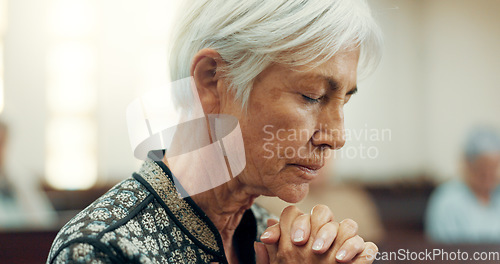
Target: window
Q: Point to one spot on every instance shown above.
(71, 161)
(3, 26)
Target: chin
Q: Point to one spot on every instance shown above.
(293, 193)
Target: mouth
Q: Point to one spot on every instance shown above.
(307, 171)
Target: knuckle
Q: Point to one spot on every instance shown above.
(302, 221)
(291, 209)
(350, 225)
(330, 228)
(280, 255)
(322, 210)
(284, 252)
(303, 217)
(357, 245)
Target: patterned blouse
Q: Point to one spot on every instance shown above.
(144, 220)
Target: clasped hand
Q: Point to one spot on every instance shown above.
(315, 238)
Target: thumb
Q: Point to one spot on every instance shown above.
(271, 222)
(261, 255)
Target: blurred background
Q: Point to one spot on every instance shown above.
(69, 68)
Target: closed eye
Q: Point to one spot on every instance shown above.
(353, 91)
(312, 100)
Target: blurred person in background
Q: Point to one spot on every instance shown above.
(467, 210)
(345, 201)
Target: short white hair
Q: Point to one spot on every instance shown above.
(250, 35)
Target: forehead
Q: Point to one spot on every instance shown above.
(347, 60)
(341, 69)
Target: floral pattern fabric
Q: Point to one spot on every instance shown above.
(132, 223)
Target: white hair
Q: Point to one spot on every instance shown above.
(249, 35)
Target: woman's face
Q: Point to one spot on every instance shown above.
(294, 119)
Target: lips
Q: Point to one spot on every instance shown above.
(308, 171)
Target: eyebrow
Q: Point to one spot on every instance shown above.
(334, 85)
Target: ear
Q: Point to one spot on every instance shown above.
(206, 71)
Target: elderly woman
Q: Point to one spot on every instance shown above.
(281, 67)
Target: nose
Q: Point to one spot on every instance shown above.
(330, 130)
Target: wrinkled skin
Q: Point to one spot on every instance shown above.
(294, 118)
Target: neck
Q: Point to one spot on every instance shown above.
(481, 194)
(225, 206)
(483, 197)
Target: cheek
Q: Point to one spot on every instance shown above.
(279, 130)
(270, 143)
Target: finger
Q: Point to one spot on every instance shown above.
(301, 229)
(320, 215)
(261, 255)
(368, 255)
(271, 235)
(272, 252)
(348, 228)
(287, 218)
(351, 247)
(325, 237)
(272, 221)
